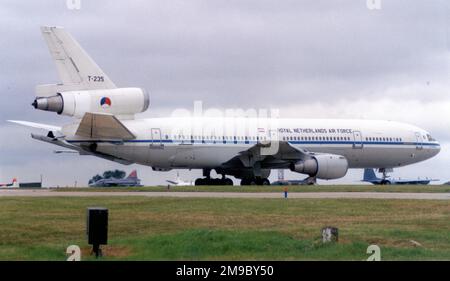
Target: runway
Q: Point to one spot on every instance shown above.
(294, 195)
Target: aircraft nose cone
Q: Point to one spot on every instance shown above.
(435, 149)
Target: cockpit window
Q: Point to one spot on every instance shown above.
(430, 138)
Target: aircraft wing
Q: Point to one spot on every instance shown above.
(171, 182)
(103, 126)
(278, 154)
(37, 125)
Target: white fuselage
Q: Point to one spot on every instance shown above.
(207, 143)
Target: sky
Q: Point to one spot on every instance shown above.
(366, 59)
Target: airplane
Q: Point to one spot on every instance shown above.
(370, 176)
(247, 148)
(14, 184)
(282, 181)
(131, 180)
(179, 182)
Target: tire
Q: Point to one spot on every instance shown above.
(262, 182)
(245, 182)
(228, 181)
(199, 181)
(265, 182)
(218, 182)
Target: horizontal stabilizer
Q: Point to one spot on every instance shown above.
(64, 151)
(81, 150)
(103, 126)
(37, 125)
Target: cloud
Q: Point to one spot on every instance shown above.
(308, 59)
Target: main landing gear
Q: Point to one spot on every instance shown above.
(385, 180)
(255, 181)
(228, 181)
(211, 181)
(207, 180)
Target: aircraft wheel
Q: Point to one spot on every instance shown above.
(228, 181)
(244, 182)
(262, 182)
(265, 182)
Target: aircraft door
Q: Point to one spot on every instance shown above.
(270, 144)
(419, 143)
(357, 140)
(156, 141)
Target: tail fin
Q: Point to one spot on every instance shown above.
(133, 174)
(369, 175)
(15, 183)
(76, 69)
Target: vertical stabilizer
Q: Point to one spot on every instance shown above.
(75, 67)
(370, 176)
(15, 183)
(133, 174)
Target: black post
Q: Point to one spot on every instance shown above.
(97, 228)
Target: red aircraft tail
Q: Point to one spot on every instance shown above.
(133, 174)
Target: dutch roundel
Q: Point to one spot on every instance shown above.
(105, 102)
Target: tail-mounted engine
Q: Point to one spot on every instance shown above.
(119, 101)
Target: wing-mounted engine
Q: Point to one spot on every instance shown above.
(316, 165)
(322, 166)
(119, 101)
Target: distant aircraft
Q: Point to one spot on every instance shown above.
(131, 180)
(282, 181)
(13, 184)
(370, 176)
(180, 182)
(246, 148)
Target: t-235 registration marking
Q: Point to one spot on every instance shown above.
(95, 78)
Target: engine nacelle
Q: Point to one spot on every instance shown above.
(121, 101)
(323, 166)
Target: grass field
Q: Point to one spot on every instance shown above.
(231, 229)
(292, 188)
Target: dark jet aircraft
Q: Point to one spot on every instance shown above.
(370, 176)
(131, 180)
